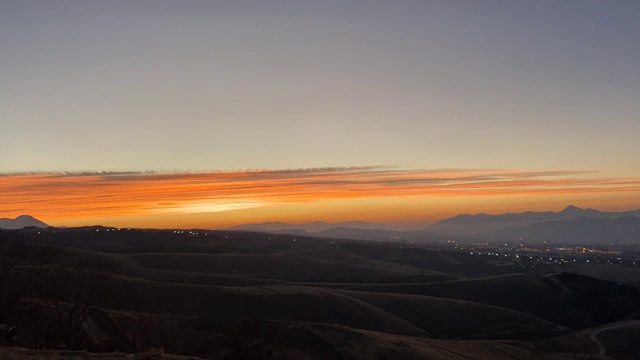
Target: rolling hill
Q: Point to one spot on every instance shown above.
(228, 294)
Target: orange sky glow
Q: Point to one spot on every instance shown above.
(227, 198)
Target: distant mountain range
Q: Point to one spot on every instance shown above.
(483, 224)
(311, 227)
(20, 222)
(571, 225)
(361, 230)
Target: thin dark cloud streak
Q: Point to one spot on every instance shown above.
(195, 173)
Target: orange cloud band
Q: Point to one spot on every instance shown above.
(102, 194)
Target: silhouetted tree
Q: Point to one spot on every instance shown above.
(79, 289)
(23, 270)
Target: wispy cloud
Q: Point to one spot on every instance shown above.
(108, 194)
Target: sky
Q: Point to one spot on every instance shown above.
(216, 113)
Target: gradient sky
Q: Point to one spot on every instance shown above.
(204, 93)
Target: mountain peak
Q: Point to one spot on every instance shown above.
(20, 222)
(573, 211)
(571, 208)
